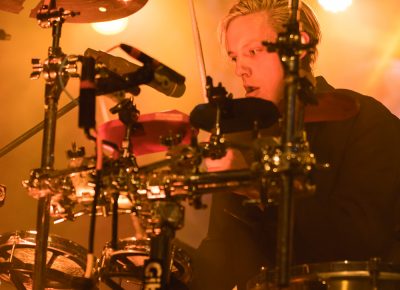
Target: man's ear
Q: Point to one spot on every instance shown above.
(305, 38)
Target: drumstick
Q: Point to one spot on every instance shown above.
(199, 50)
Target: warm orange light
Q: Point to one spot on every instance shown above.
(111, 27)
(335, 5)
(386, 58)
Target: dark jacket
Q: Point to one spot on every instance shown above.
(354, 214)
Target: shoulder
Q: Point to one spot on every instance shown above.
(371, 123)
(366, 102)
(372, 111)
(350, 104)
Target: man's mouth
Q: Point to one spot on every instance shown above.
(250, 90)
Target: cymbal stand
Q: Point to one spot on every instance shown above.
(219, 97)
(216, 147)
(122, 168)
(167, 215)
(48, 16)
(128, 114)
(295, 158)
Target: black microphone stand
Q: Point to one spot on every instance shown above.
(289, 47)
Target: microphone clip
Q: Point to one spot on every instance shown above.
(219, 97)
(127, 112)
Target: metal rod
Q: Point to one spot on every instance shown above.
(285, 229)
(290, 132)
(114, 227)
(240, 175)
(36, 129)
(90, 259)
(43, 212)
(52, 94)
(92, 228)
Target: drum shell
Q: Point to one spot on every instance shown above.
(342, 275)
(75, 191)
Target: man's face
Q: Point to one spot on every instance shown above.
(261, 71)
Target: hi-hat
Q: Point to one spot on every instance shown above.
(96, 10)
(240, 115)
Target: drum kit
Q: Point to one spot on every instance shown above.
(112, 183)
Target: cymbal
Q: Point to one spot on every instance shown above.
(13, 6)
(240, 115)
(96, 10)
(153, 126)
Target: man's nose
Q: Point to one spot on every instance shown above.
(242, 69)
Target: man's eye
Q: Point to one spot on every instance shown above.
(254, 51)
(233, 58)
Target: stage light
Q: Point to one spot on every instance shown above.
(335, 5)
(111, 27)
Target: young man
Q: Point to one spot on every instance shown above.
(354, 214)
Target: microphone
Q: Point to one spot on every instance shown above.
(128, 70)
(87, 94)
(164, 79)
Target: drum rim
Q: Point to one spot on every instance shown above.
(338, 269)
(27, 238)
(345, 267)
(62, 247)
(332, 271)
(128, 246)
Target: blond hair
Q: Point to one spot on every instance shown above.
(278, 14)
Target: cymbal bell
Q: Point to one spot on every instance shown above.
(95, 10)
